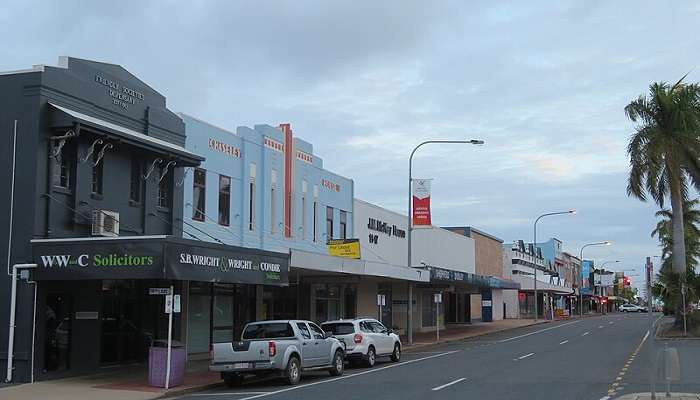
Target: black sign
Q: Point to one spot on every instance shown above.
(153, 258)
(448, 275)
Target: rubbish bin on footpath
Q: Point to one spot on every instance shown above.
(158, 361)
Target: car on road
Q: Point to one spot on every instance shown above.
(629, 307)
(278, 348)
(365, 339)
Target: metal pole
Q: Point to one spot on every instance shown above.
(13, 313)
(170, 337)
(12, 199)
(534, 275)
(437, 319)
(652, 333)
(685, 311)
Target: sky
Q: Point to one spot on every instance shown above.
(543, 83)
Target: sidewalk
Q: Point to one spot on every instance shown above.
(132, 383)
(659, 395)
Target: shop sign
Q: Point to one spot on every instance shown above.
(437, 298)
(383, 227)
(159, 291)
(421, 202)
(486, 303)
(122, 95)
(346, 248)
(381, 300)
(225, 148)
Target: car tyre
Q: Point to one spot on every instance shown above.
(338, 364)
(293, 371)
(232, 379)
(396, 355)
(371, 357)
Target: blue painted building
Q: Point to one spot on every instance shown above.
(263, 188)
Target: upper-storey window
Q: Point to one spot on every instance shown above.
(224, 200)
(329, 223)
(97, 172)
(343, 224)
(135, 182)
(251, 197)
(273, 201)
(62, 166)
(304, 190)
(164, 177)
(199, 190)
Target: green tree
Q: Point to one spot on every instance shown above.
(664, 152)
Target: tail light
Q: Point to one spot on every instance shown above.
(271, 348)
(357, 338)
(211, 353)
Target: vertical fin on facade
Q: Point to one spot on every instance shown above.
(288, 175)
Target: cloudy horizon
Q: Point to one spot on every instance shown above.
(544, 84)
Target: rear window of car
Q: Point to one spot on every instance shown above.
(339, 328)
(268, 331)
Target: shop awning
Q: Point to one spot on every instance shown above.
(132, 136)
(482, 281)
(526, 284)
(156, 257)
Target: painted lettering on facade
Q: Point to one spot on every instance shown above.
(225, 148)
(122, 96)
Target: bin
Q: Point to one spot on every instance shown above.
(158, 360)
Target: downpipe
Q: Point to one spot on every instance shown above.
(11, 330)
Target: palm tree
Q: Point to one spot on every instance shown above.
(691, 221)
(664, 152)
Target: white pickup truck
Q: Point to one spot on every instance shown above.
(284, 348)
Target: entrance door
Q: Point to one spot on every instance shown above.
(124, 308)
(59, 308)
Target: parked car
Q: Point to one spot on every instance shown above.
(365, 339)
(279, 348)
(629, 307)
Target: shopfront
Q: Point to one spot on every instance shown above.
(100, 302)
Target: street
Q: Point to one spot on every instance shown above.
(578, 359)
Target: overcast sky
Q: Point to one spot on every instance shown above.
(544, 84)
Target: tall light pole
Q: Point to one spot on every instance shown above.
(409, 308)
(580, 287)
(534, 248)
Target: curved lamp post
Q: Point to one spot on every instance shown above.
(580, 287)
(409, 316)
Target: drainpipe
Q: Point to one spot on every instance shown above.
(13, 303)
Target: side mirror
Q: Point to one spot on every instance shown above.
(327, 334)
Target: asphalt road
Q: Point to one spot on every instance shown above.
(579, 359)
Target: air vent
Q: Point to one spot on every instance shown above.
(105, 223)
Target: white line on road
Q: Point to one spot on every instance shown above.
(611, 322)
(564, 342)
(526, 356)
(536, 332)
(448, 384)
(369, 371)
(600, 326)
(225, 394)
(585, 333)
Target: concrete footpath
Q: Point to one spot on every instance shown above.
(131, 384)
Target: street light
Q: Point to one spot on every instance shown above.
(409, 316)
(608, 262)
(534, 247)
(580, 287)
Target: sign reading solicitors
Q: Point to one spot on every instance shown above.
(157, 258)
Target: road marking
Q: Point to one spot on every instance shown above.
(611, 322)
(564, 342)
(585, 333)
(526, 356)
(448, 384)
(225, 394)
(536, 332)
(600, 326)
(369, 371)
(605, 398)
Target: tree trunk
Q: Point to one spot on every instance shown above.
(678, 251)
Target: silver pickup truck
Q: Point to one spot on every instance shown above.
(283, 348)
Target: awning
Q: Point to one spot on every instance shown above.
(526, 284)
(482, 281)
(156, 257)
(132, 136)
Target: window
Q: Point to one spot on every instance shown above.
(428, 309)
(135, 183)
(343, 224)
(97, 172)
(273, 201)
(61, 168)
(315, 211)
(339, 328)
(303, 330)
(199, 190)
(366, 327)
(270, 330)
(377, 327)
(251, 198)
(304, 189)
(164, 187)
(329, 222)
(224, 200)
(318, 333)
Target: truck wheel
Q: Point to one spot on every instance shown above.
(338, 364)
(371, 357)
(396, 355)
(232, 379)
(293, 371)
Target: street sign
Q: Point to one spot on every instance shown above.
(381, 299)
(176, 304)
(168, 303)
(158, 291)
(437, 298)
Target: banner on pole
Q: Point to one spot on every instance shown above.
(421, 202)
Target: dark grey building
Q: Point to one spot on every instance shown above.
(91, 168)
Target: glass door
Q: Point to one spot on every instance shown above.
(59, 308)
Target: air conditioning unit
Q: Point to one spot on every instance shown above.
(105, 223)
